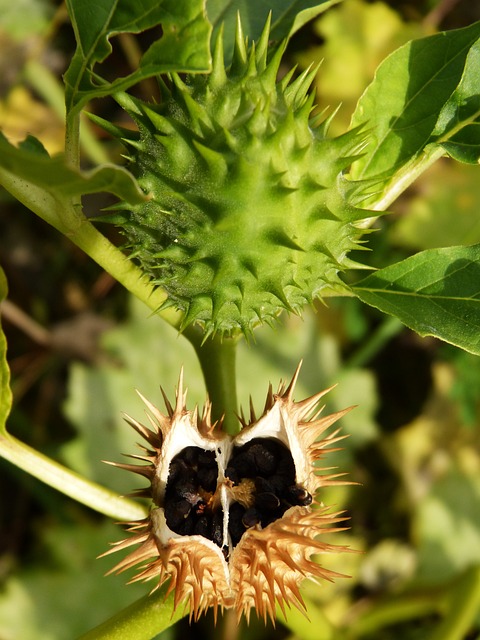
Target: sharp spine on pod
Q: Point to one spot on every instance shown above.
(234, 520)
(247, 193)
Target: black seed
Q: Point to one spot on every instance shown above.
(297, 495)
(186, 527)
(176, 512)
(178, 469)
(217, 528)
(235, 524)
(264, 456)
(263, 484)
(225, 551)
(207, 458)
(232, 474)
(244, 464)
(267, 501)
(279, 483)
(286, 468)
(202, 527)
(187, 490)
(207, 477)
(251, 517)
(190, 455)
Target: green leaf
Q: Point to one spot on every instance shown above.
(460, 112)
(5, 391)
(435, 293)
(412, 87)
(59, 180)
(287, 17)
(183, 45)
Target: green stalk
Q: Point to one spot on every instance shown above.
(142, 620)
(407, 176)
(47, 85)
(217, 358)
(68, 482)
(464, 607)
(395, 611)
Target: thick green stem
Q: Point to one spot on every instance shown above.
(407, 176)
(68, 482)
(217, 358)
(142, 620)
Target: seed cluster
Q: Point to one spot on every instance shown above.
(261, 475)
(269, 464)
(189, 495)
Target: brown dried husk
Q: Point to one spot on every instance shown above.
(268, 564)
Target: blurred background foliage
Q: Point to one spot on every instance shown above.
(79, 346)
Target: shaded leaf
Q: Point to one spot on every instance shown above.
(435, 293)
(183, 43)
(411, 87)
(5, 391)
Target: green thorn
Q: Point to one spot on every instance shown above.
(239, 58)
(218, 76)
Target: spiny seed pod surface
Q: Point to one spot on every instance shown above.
(234, 521)
(249, 212)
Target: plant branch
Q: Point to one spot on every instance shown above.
(407, 176)
(217, 358)
(142, 620)
(68, 482)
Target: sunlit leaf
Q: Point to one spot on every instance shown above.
(58, 179)
(463, 106)
(435, 293)
(182, 44)
(411, 88)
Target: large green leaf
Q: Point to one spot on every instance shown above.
(413, 87)
(183, 43)
(287, 17)
(435, 293)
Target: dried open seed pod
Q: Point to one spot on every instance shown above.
(234, 521)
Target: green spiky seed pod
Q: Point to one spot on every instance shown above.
(249, 210)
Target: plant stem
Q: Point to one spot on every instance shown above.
(68, 482)
(464, 606)
(407, 176)
(217, 358)
(401, 609)
(47, 85)
(142, 620)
